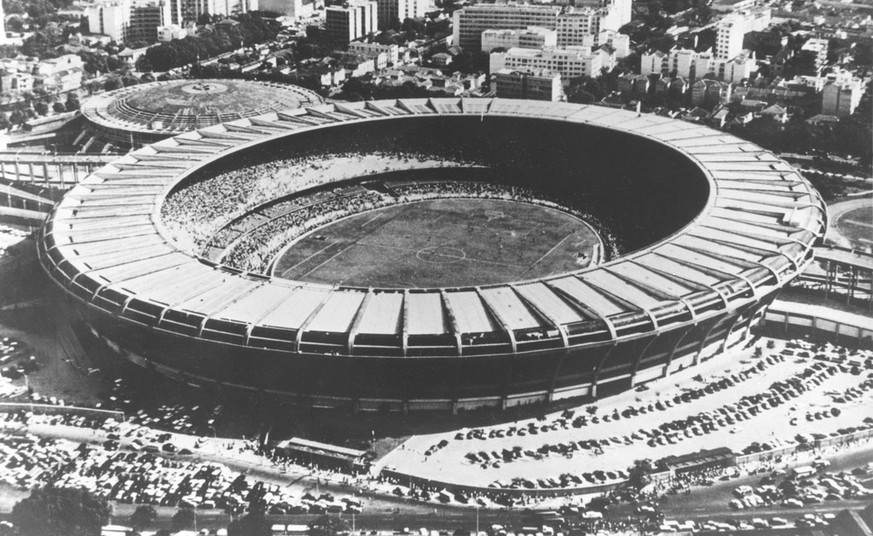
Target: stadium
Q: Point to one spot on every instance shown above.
(262, 253)
(138, 115)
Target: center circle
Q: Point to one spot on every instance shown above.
(441, 255)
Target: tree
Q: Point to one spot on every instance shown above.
(72, 102)
(58, 108)
(253, 524)
(183, 519)
(863, 52)
(578, 95)
(60, 512)
(15, 24)
(143, 517)
(326, 525)
(638, 475)
(41, 108)
(94, 62)
(129, 80)
(112, 82)
(17, 117)
(415, 26)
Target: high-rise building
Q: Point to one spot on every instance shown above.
(353, 20)
(532, 37)
(818, 49)
(296, 9)
(570, 62)
(693, 65)
(624, 13)
(471, 21)
(129, 20)
(535, 85)
(145, 19)
(576, 26)
(191, 10)
(841, 98)
(396, 11)
(733, 28)
(729, 36)
(110, 17)
(619, 41)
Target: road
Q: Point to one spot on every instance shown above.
(388, 512)
(711, 502)
(808, 159)
(381, 508)
(836, 213)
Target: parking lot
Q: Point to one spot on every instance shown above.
(726, 402)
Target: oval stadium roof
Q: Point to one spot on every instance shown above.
(755, 233)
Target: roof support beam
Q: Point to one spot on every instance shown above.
(494, 313)
(590, 313)
(356, 321)
(453, 321)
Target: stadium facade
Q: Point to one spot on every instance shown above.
(716, 226)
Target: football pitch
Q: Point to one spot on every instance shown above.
(441, 243)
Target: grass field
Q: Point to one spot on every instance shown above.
(441, 243)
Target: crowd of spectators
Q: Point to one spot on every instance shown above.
(255, 209)
(252, 242)
(255, 250)
(193, 213)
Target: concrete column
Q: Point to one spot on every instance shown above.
(828, 278)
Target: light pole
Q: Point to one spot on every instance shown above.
(477, 519)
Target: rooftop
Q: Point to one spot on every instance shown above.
(183, 105)
(756, 227)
